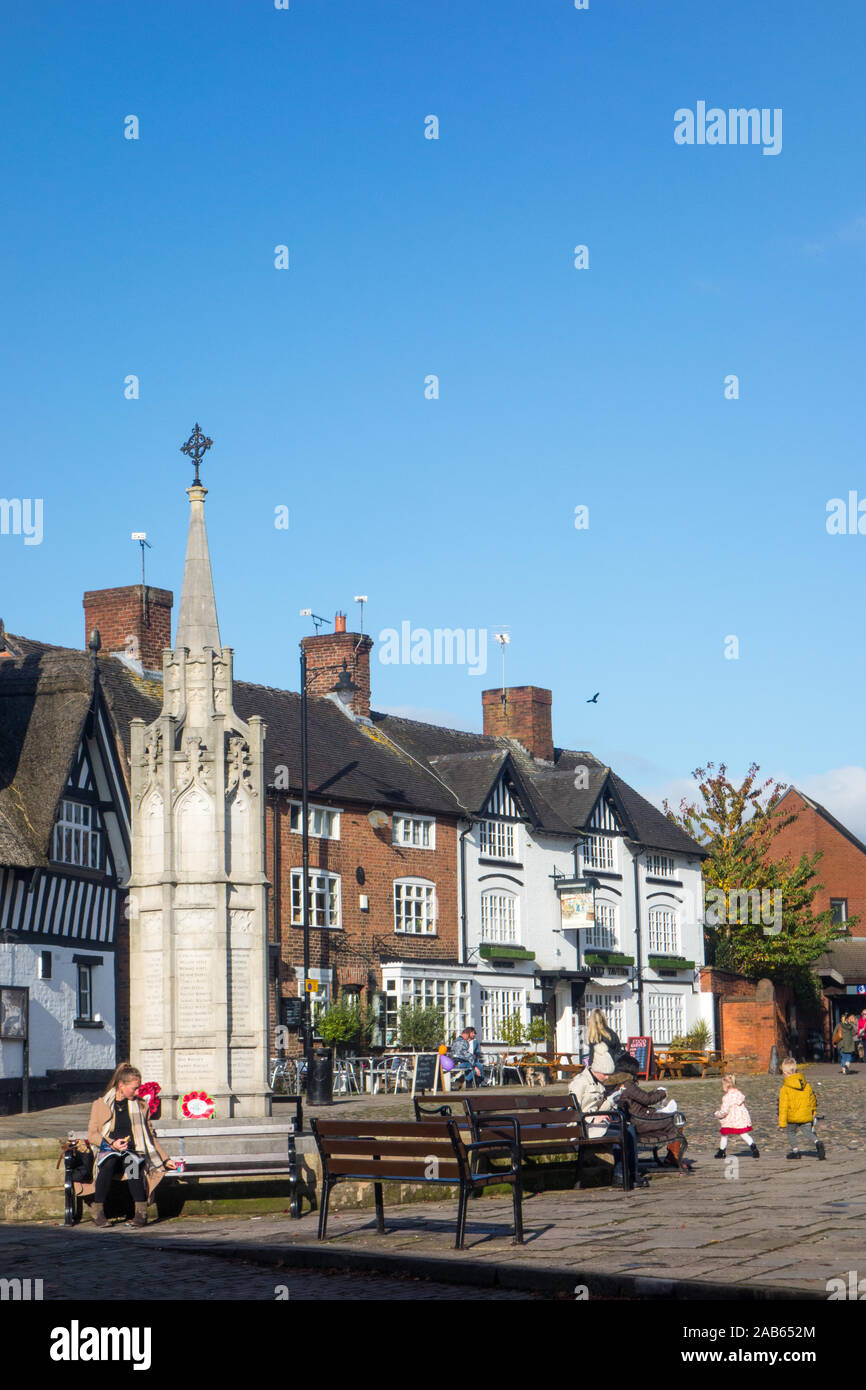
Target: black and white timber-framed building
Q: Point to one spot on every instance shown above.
(64, 866)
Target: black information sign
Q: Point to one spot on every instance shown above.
(293, 1013)
(425, 1071)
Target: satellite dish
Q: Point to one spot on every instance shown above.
(378, 820)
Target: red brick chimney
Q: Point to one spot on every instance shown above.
(133, 622)
(522, 712)
(326, 653)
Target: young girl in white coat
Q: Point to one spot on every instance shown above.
(734, 1117)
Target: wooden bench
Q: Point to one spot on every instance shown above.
(547, 1125)
(672, 1062)
(217, 1165)
(428, 1151)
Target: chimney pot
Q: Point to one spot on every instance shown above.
(340, 622)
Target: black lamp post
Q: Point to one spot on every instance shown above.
(346, 690)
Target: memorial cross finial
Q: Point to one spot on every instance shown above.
(196, 447)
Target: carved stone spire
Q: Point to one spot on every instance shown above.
(197, 625)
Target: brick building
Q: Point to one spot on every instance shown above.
(842, 871)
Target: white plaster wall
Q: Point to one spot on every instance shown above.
(540, 925)
(54, 1043)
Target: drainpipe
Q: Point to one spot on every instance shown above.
(464, 926)
(638, 943)
(275, 892)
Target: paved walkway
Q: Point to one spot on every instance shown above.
(763, 1225)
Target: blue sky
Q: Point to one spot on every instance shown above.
(454, 257)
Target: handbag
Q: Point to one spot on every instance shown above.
(837, 1036)
(81, 1169)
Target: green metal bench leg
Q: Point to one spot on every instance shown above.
(380, 1207)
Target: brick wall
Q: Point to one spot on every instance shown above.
(842, 869)
(748, 1034)
(753, 1015)
(135, 620)
(525, 714)
(354, 951)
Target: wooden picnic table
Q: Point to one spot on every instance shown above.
(558, 1063)
(671, 1062)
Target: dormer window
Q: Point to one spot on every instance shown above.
(77, 835)
(598, 852)
(496, 839)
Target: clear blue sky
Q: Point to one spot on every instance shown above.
(410, 256)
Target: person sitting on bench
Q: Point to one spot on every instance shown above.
(589, 1090)
(650, 1126)
(467, 1057)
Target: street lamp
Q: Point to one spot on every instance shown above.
(345, 690)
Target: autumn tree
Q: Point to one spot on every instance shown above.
(738, 824)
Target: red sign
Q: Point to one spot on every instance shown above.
(642, 1051)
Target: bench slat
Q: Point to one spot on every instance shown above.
(411, 1148)
(370, 1170)
(360, 1129)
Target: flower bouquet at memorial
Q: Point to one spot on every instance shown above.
(150, 1091)
(197, 1105)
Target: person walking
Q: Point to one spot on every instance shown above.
(844, 1037)
(120, 1132)
(797, 1109)
(734, 1117)
(861, 1036)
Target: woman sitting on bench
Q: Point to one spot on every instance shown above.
(120, 1132)
(650, 1126)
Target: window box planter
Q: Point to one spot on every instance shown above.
(491, 951)
(669, 963)
(606, 958)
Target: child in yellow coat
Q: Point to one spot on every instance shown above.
(797, 1109)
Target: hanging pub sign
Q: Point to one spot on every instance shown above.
(641, 1049)
(577, 906)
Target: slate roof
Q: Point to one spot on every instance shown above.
(471, 763)
(844, 959)
(389, 762)
(347, 760)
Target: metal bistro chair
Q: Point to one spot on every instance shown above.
(389, 1069)
(345, 1078)
(283, 1075)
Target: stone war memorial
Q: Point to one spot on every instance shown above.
(198, 935)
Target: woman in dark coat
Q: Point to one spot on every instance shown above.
(650, 1127)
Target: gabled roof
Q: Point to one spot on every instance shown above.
(556, 797)
(827, 816)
